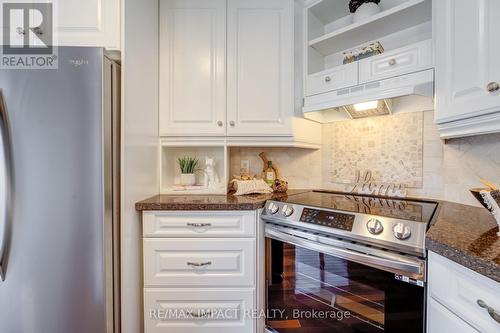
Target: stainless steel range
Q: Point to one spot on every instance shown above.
(337, 251)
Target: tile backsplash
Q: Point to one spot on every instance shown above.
(441, 171)
(448, 170)
(300, 167)
(377, 144)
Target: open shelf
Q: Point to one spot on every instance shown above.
(337, 36)
(170, 171)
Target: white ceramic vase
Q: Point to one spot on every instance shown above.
(188, 179)
(365, 10)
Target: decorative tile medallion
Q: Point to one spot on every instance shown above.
(390, 146)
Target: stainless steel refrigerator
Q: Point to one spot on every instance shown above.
(59, 196)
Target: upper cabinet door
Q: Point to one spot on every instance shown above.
(192, 67)
(260, 67)
(88, 23)
(467, 59)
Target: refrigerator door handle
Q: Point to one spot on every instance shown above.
(6, 187)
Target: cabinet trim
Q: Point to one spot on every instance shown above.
(484, 124)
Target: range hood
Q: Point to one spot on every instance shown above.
(405, 93)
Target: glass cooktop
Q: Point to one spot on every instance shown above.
(413, 210)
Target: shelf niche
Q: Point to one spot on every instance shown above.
(170, 171)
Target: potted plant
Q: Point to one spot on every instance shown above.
(188, 167)
(363, 9)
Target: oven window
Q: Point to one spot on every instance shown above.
(315, 293)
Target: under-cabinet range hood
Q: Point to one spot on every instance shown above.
(405, 93)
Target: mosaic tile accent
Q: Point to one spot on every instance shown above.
(390, 146)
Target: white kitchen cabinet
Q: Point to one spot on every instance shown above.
(199, 224)
(88, 23)
(200, 267)
(332, 79)
(192, 67)
(191, 262)
(441, 320)
(199, 310)
(260, 67)
(467, 68)
(454, 297)
(412, 58)
(227, 69)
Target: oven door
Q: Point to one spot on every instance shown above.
(319, 284)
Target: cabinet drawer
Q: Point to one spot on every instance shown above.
(440, 320)
(199, 262)
(412, 58)
(199, 224)
(459, 289)
(200, 310)
(333, 79)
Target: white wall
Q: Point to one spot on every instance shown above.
(140, 161)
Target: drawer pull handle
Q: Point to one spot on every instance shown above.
(493, 86)
(328, 79)
(199, 225)
(200, 315)
(392, 62)
(199, 264)
(493, 314)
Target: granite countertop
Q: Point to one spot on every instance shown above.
(466, 235)
(211, 202)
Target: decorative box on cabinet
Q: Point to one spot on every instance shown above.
(467, 69)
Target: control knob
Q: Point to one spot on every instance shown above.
(401, 231)
(374, 226)
(272, 208)
(287, 210)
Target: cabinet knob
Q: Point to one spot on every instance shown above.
(232, 123)
(392, 62)
(20, 31)
(220, 123)
(493, 86)
(328, 79)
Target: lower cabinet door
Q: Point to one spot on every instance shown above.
(199, 310)
(441, 320)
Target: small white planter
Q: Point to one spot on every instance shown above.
(188, 179)
(366, 10)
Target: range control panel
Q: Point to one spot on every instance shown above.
(328, 219)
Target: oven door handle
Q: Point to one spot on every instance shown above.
(401, 265)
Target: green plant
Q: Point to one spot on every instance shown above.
(187, 164)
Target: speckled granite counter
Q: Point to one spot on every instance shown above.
(466, 235)
(461, 233)
(211, 202)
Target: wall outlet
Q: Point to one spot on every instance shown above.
(245, 167)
